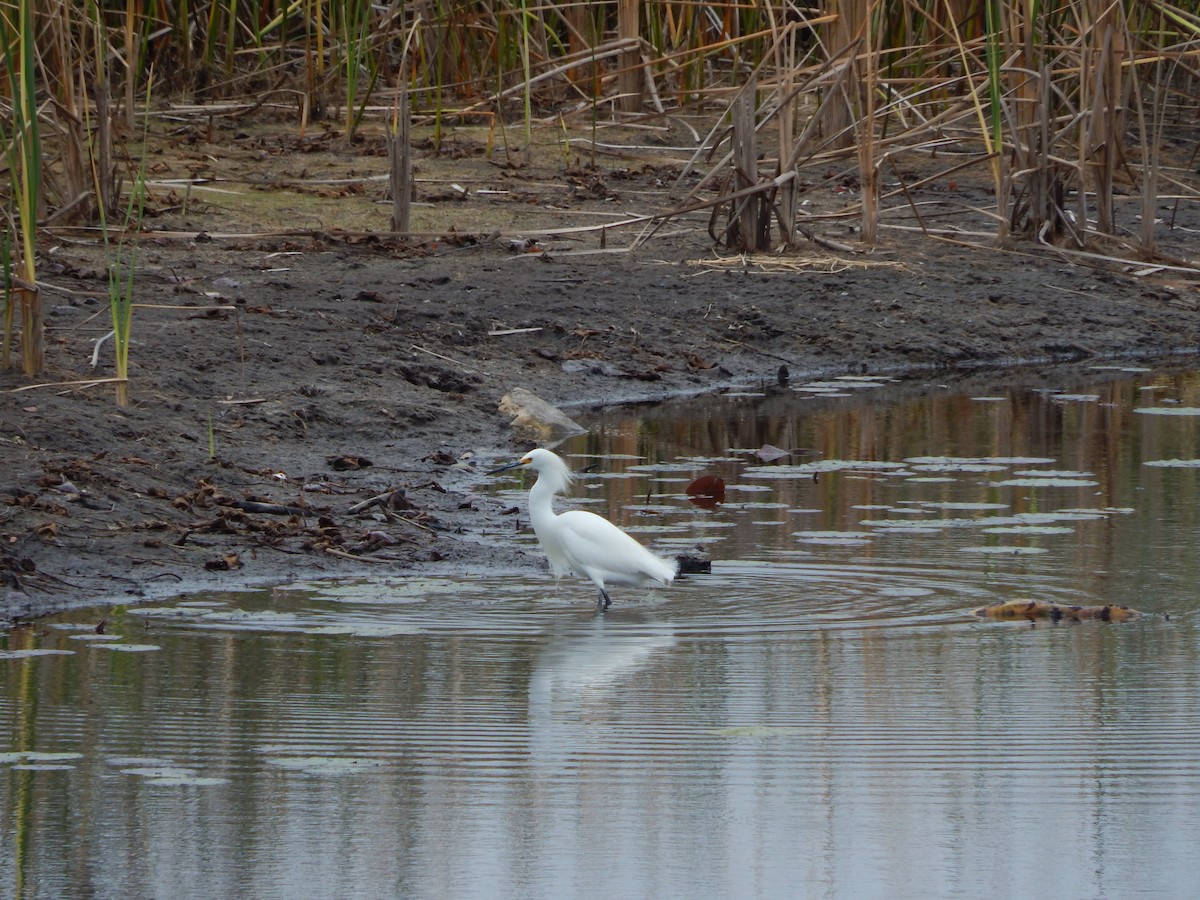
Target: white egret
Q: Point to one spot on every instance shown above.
(583, 542)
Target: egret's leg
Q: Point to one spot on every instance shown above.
(603, 601)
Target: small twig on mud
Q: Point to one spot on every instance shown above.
(378, 500)
(504, 331)
(756, 350)
(456, 362)
(275, 509)
(414, 524)
(912, 204)
(90, 382)
(344, 555)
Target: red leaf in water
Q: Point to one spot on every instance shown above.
(707, 491)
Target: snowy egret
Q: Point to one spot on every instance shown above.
(583, 542)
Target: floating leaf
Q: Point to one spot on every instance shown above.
(187, 781)
(1005, 551)
(959, 467)
(1048, 518)
(324, 765)
(173, 776)
(1053, 473)
(162, 611)
(841, 383)
(967, 506)
(131, 648)
(1045, 482)
(1173, 463)
(809, 470)
(41, 767)
(1029, 529)
(988, 460)
(770, 453)
(396, 630)
(1169, 410)
(39, 651)
(158, 771)
(755, 731)
(37, 756)
(707, 491)
(833, 538)
(847, 535)
(139, 761)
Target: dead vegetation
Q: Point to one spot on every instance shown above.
(1071, 130)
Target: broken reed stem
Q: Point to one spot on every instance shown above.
(868, 171)
(629, 81)
(745, 231)
(400, 159)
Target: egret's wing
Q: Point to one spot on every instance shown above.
(596, 545)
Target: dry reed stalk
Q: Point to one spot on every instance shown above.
(25, 170)
(868, 67)
(1101, 144)
(788, 200)
(838, 109)
(597, 54)
(630, 76)
(1151, 154)
(71, 189)
(749, 219)
(581, 40)
(400, 158)
(131, 59)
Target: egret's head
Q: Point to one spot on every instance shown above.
(545, 463)
(524, 462)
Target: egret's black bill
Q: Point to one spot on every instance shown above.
(515, 465)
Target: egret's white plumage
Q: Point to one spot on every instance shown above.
(582, 542)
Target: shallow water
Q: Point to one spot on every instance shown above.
(820, 716)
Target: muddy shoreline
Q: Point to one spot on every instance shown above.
(317, 373)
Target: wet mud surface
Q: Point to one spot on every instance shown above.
(323, 404)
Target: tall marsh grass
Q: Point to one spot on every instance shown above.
(1060, 104)
(23, 154)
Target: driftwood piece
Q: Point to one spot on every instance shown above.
(536, 420)
(274, 509)
(388, 500)
(1031, 610)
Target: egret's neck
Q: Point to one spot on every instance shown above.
(541, 501)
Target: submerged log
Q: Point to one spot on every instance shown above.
(1014, 610)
